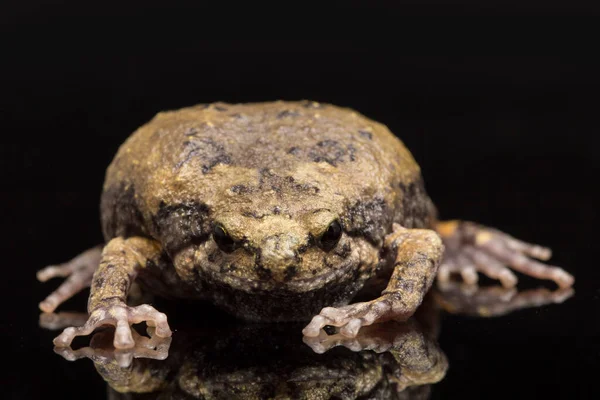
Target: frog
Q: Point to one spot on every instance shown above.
(276, 211)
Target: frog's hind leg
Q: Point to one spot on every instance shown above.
(78, 271)
(471, 247)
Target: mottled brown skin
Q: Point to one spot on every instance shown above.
(272, 179)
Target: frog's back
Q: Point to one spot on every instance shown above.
(199, 152)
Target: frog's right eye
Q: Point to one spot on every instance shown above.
(222, 239)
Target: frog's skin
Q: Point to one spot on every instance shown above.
(242, 205)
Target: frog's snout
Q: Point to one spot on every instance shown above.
(280, 255)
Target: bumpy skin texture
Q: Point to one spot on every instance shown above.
(274, 175)
(274, 211)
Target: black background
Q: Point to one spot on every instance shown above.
(500, 110)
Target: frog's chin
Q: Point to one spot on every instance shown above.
(297, 300)
(346, 271)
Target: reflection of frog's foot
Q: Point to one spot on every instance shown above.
(352, 317)
(79, 272)
(378, 338)
(418, 358)
(460, 298)
(61, 320)
(472, 248)
(121, 316)
(101, 351)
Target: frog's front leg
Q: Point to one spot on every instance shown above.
(472, 248)
(121, 261)
(417, 254)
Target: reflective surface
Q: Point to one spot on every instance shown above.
(230, 359)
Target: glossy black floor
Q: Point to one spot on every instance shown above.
(509, 139)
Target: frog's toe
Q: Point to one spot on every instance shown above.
(470, 247)
(493, 301)
(78, 281)
(79, 272)
(514, 253)
(349, 318)
(55, 321)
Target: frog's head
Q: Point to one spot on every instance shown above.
(299, 249)
(269, 237)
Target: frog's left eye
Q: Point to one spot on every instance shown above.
(223, 240)
(331, 236)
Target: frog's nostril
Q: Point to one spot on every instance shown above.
(279, 248)
(280, 256)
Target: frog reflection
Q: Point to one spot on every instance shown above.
(390, 360)
(269, 362)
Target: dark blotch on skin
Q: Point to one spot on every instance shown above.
(99, 282)
(366, 134)
(331, 152)
(220, 108)
(121, 215)
(253, 214)
(209, 152)
(352, 151)
(371, 219)
(406, 286)
(306, 187)
(191, 132)
(287, 113)
(415, 208)
(241, 189)
(344, 250)
(262, 272)
(180, 225)
(294, 150)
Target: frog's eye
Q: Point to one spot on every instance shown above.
(223, 240)
(331, 236)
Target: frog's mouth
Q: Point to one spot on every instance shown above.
(341, 273)
(348, 269)
(299, 300)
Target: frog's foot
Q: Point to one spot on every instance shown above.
(472, 248)
(352, 317)
(492, 301)
(79, 272)
(102, 352)
(121, 316)
(377, 337)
